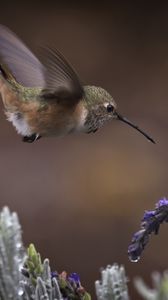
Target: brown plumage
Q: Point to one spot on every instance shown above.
(45, 97)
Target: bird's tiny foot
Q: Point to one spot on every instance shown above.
(31, 138)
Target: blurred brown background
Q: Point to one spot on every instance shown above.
(80, 198)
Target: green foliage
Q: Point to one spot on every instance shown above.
(33, 264)
(39, 280)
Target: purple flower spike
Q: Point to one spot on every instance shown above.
(74, 277)
(150, 223)
(54, 274)
(148, 214)
(162, 202)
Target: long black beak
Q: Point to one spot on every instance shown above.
(125, 120)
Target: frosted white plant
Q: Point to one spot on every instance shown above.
(113, 284)
(159, 290)
(11, 255)
(13, 284)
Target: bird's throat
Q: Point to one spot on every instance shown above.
(81, 113)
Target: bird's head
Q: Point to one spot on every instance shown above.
(102, 108)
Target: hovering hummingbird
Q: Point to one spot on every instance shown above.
(44, 97)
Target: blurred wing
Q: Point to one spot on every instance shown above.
(61, 81)
(24, 66)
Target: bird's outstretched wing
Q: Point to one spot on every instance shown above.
(61, 81)
(51, 72)
(21, 62)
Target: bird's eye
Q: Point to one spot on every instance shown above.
(110, 108)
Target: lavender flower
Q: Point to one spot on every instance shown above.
(47, 283)
(150, 224)
(74, 279)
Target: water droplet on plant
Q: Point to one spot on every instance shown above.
(20, 291)
(18, 245)
(134, 259)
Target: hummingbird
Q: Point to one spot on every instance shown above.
(44, 96)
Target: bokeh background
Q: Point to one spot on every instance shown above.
(81, 197)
